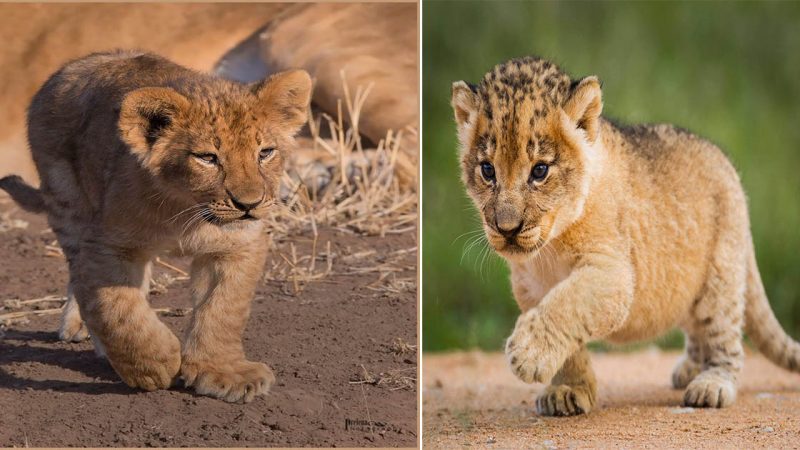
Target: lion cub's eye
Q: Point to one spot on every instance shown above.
(539, 172)
(487, 170)
(266, 153)
(207, 158)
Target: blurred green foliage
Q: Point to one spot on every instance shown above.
(727, 71)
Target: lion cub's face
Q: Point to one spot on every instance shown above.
(221, 148)
(527, 137)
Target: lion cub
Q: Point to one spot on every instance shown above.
(610, 232)
(138, 156)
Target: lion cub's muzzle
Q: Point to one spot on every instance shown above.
(247, 208)
(236, 208)
(514, 238)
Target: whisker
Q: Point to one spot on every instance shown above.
(470, 244)
(195, 219)
(467, 234)
(178, 214)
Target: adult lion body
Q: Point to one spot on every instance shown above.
(138, 155)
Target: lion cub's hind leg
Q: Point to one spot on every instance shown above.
(72, 328)
(717, 318)
(690, 364)
(715, 385)
(573, 389)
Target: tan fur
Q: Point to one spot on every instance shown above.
(634, 230)
(137, 156)
(374, 46)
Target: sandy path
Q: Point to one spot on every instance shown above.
(473, 400)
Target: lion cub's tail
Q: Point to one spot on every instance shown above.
(762, 326)
(28, 197)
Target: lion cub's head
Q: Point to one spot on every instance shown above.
(215, 144)
(527, 135)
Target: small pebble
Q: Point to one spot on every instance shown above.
(767, 430)
(762, 395)
(491, 440)
(685, 410)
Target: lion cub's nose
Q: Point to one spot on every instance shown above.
(509, 229)
(245, 205)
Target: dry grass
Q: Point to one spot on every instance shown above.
(395, 379)
(19, 311)
(298, 271)
(366, 191)
(399, 347)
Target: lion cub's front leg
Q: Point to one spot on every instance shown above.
(589, 304)
(110, 291)
(213, 357)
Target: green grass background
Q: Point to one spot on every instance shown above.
(727, 71)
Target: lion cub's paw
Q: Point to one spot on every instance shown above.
(73, 330)
(155, 368)
(232, 382)
(685, 371)
(563, 400)
(710, 390)
(529, 353)
(532, 365)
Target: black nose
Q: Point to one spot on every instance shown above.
(509, 230)
(243, 205)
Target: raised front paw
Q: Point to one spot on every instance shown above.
(230, 381)
(153, 365)
(563, 400)
(532, 352)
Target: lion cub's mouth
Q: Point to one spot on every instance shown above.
(526, 243)
(515, 249)
(224, 219)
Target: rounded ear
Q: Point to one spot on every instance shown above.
(287, 92)
(584, 105)
(465, 102)
(146, 113)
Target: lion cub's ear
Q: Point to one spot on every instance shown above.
(584, 106)
(290, 93)
(464, 100)
(146, 113)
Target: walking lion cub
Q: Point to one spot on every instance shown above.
(137, 156)
(616, 233)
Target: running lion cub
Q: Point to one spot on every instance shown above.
(616, 233)
(138, 155)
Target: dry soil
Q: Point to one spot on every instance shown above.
(342, 348)
(473, 400)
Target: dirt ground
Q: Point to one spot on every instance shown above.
(473, 400)
(342, 348)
